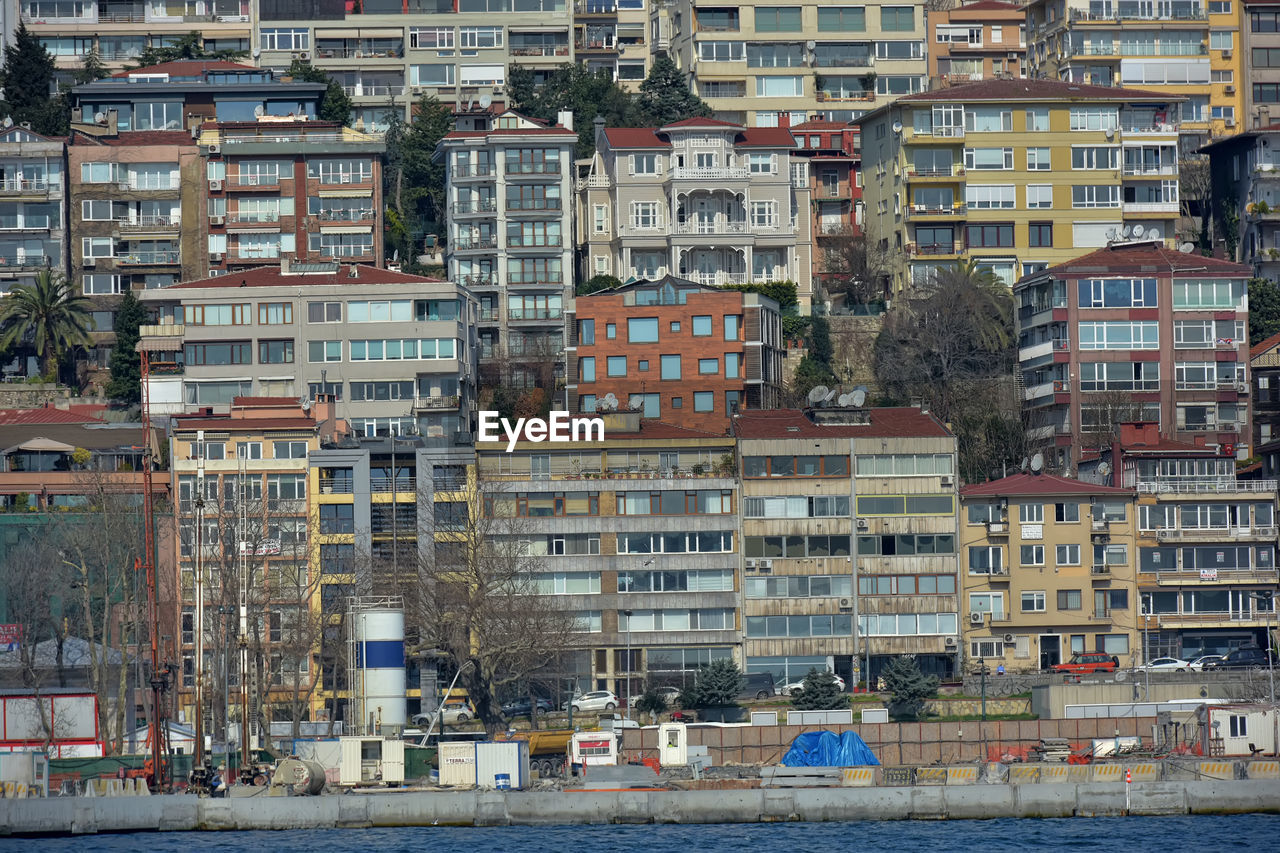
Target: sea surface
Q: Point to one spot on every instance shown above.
(1165, 834)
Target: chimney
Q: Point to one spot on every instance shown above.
(285, 265)
(599, 126)
(564, 118)
(1263, 117)
(1139, 433)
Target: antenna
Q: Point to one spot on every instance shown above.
(1037, 463)
(611, 401)
(859, 397)
(817, 394)
(98, 118)
(811, 44)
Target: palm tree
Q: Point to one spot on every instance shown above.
(48, 312)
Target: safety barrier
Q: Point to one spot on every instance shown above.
(857, 777)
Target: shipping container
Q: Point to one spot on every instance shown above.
(458, 764)
(594, 749)
(371, 761)
(510, 758)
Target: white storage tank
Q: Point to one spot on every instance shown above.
(509, 759)
(458, 764)
(379, 638)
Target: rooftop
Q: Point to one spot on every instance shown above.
(1262, 346)
(652, 137)
(894, 422)
(185, 68)
(1019, 89)
(46, 415)
(1038, 484)
(1148, 257)
(310, 275)
(137, 138)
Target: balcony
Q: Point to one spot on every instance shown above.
(541, 50)
(371, 90)
(917, 211)
(482, 171)
(688, 173)
(535, 279)
(1201, 486)
(478, 280)
(538, 205)
(1150, 171)
(22, 186)
(264, 217)
(531, 315)
(926, 174)
(346, 214)
(543, 241)
(1041, 350)
(931, 249)
(1047, 389)
(518, 169)
(253, 182)
(24, 262)
(149, 223)
(148, 259)
(941, 134)
(383, 486)
(1214, 534)
(1133, 14)
(1222, 619)
(470, 208)
(595, 7)
(1100, 571)
(1169, 207)
(428, 404)
(475, 244)
(716, 279)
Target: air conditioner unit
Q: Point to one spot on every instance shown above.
(751, 564)
(1230, 89)
(1008, 638)
(214, 148)
(1163, 534)
(765, 564)
(846, 604)
(216, 257)
(417, 90)
(995, 527)
(1226, 54)
(217, 220)
(948, 481)
(1100, 525)
(1242, 387)
(976, 618)
(863, 524)
(949, 642)
(215, 186)
(90, 262)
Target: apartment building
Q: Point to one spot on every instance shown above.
(183, 95)
(674, 350)
(379, 506)
(289, 186)
(389, 53)
(1189, 49)
(396, 351)
(702, 199)
(1260, 51)
(33, 190)
(119, 30)
(833, 153)
(1071, 588)
(977, 40)
(612, 36)
(241, 524)
(771, 65)
(638, 536)
(816, 485)
(1245, 174)
(1017, 175)
(1264, 364)
(1135, 331)
(1206, 543)
(509, 191)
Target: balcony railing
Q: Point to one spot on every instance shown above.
(542, 50)
(534, 204)
(1195, 14)
(716, 279)
(536, 242)
(919, 210)
(351, 214)
(519, 168)
(479, 280)
(24, 261)
(474, 170)
(535, 278)
(427, 403)
(148, 258)
(1177, 534)
(254, 218)
(150, 223)
(931, 248)
(255, 180)
(19, 186)
(942, 172)
(687, 173)
(534, 314)
(464, 244)
(1150, 207)
(484, 205)
(405, 484)
(1204, 486)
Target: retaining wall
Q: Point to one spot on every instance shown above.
(80, 815)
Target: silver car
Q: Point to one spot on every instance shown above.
(594, 700)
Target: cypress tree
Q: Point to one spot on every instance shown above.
(665, 95)
(126, 373)
(820, 693)
(27, 77)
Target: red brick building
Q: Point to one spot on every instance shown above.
(676, 350)
(832, 151)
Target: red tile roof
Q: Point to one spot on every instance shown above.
(187, 68)
(46, 415)
(988, 6)
(822, 124)
(1262, 346)
(634, 137)
(137, 138)
(273, 277)
(1146, 257)
(1038, 484)
(512, 131)
(701, 122)
(768, 137)
(1036, 90)
(648, 137)
(900, 422)
(1168, 445)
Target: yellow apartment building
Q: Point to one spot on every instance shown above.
(976, 41)
(1050, 572)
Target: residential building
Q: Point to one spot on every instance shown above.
(183, 95)
(311, 190)
(1016, 175)
(1264, 365)
(1187, 49)
(815, 485)
(612, 36)
(119, 30)
(34, 190)
(243, 530)
(380, 504)
(702, 199)
(1135, 331)
(638, 536)
(833, 153)
(1051, 572)
(1206, 543)
(397, 351)
(674, 350)
(1260, 83)
(1244, 171)
(762, 65)
(509, 191)
(977, 40)
(130, 194)
(387, 54)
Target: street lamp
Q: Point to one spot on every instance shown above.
(1267, 597)
(627, 613)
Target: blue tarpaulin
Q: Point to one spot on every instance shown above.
(827, 749)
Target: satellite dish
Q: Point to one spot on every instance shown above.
(1126, 232)
(830, 396)
(486, 101)
(611, 401)
(98, 118)
(897, 127)
(859, 397)
(1187, 248)
(1025, 463)
(1138, 230)
(1112, 234)
(811, 44)
(1037, 463)
(817, 394)
(1154, 234)
(395, 256)
(1104, 468)
(258, 110)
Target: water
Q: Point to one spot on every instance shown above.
(1210, 833)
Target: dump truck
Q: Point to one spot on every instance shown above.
(547, 749)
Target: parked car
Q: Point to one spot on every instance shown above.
(1199, 663)
(453, 714)
(757, 685)
(1087, 662)
(786, 689)
(521, 708)
(594, 700)
(1246, 658)
(1165, 665)
(670, 695)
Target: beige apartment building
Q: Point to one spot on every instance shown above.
(1017, 175)
(776, 64)
(976, 40)
(1049, 569)
(849, 541)
(702, 199)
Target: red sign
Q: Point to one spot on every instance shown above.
(10, 637)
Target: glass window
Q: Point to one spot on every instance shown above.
(617, 365)
(704, 401)
(642, 330)
(670, 366)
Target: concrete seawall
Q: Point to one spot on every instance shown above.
(79, 815)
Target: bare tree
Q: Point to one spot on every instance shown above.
(1195, 192)
(856, 265)
(1110, 409)
(478, 601)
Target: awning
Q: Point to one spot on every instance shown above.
(346, 193)
(337, 34)
(381, 33)
(41, 445)
(346, 229)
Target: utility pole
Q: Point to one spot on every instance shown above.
(199, 773)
